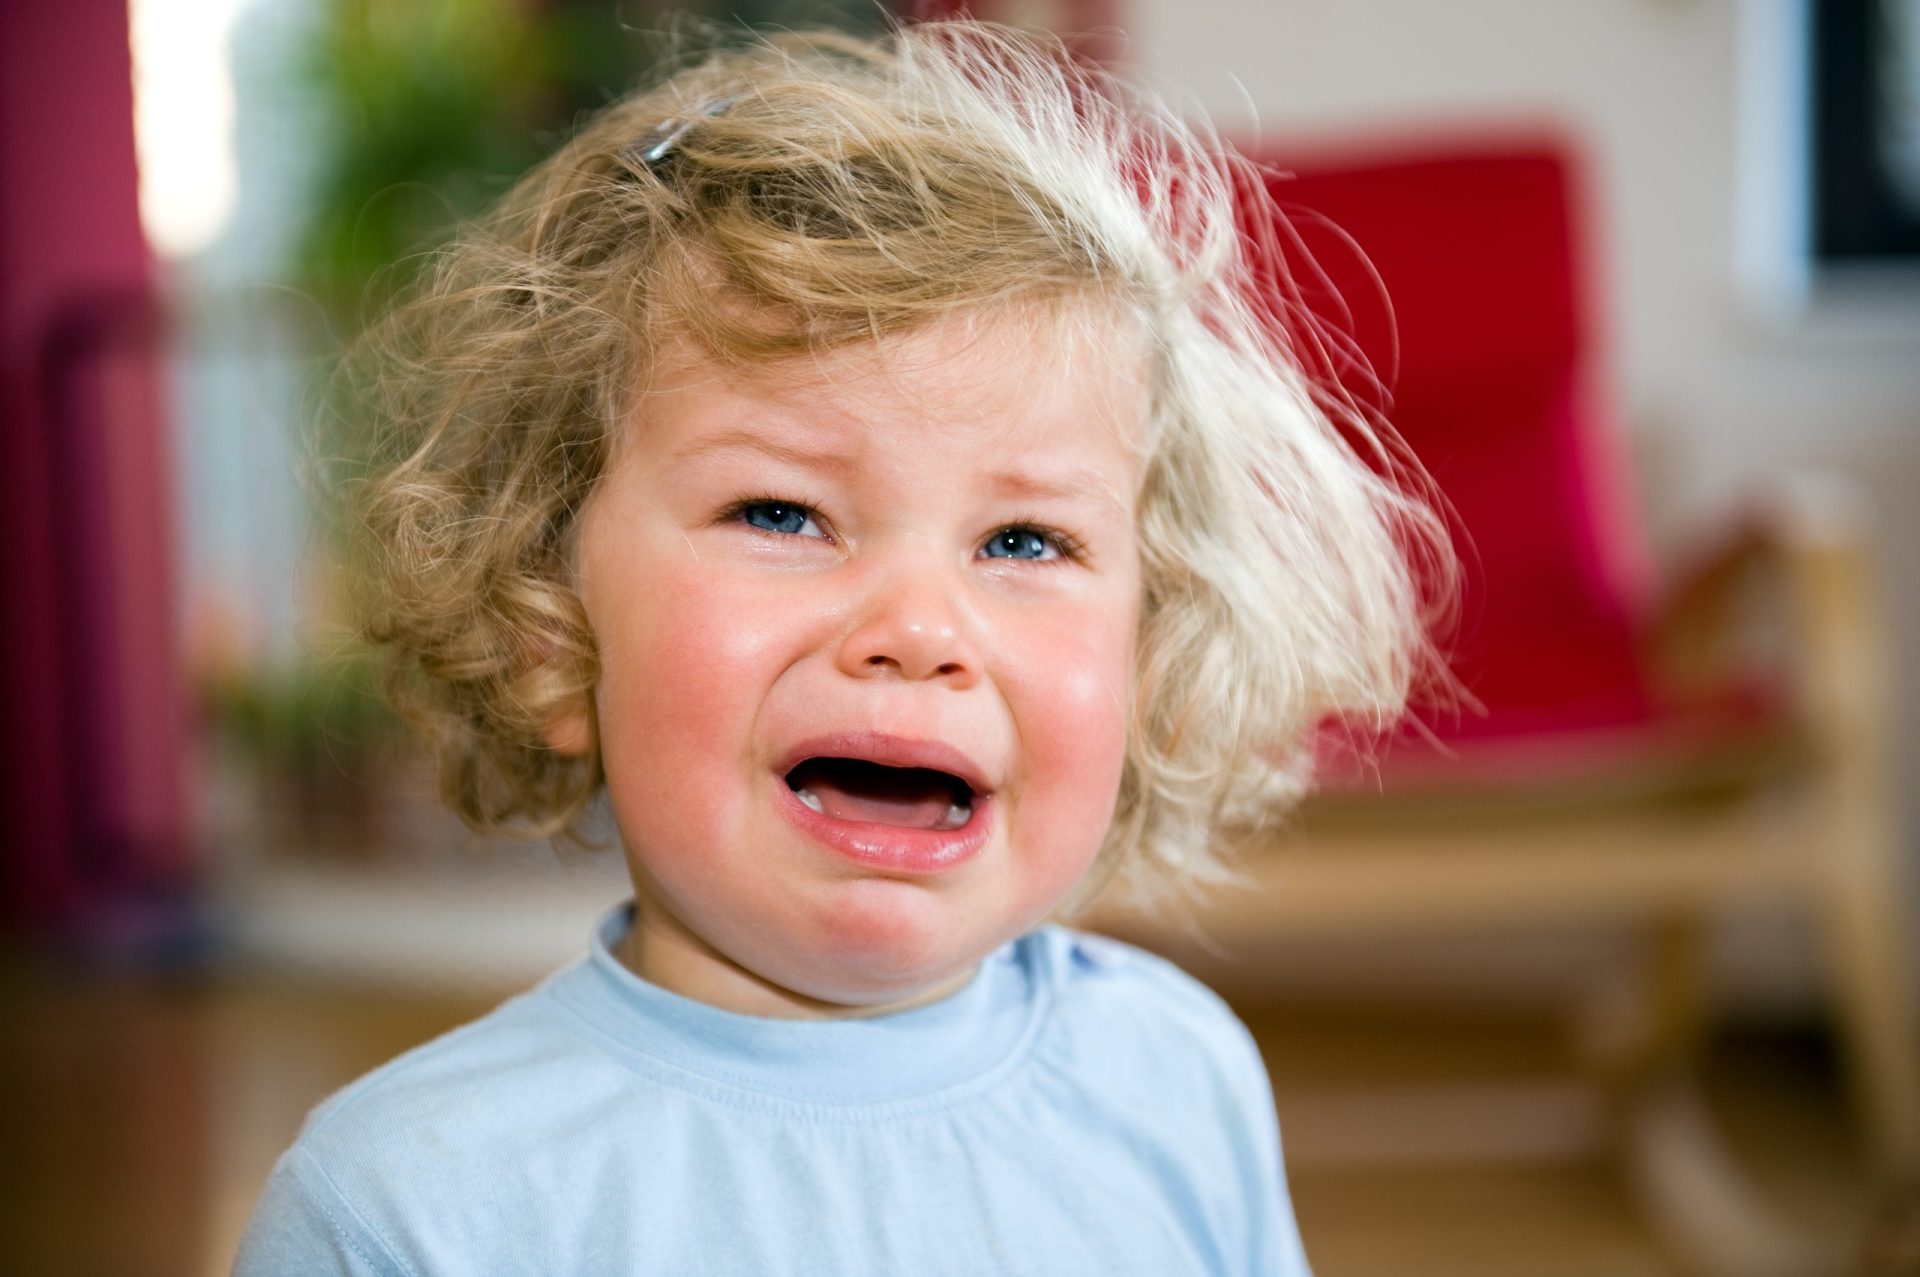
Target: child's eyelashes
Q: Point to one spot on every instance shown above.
(1026, 540)
(1031, 542)
(772, 514)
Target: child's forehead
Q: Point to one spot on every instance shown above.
(1012, 370)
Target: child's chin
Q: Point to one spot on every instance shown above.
(893, 942)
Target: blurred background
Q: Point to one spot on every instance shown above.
(1609, 971)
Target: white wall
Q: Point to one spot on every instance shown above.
(1721, 395)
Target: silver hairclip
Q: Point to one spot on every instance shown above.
(658, 145)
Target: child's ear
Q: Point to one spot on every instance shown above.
(572, 733)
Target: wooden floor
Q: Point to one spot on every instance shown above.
(141, 1117)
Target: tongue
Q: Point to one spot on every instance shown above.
(927, 811)
(908, 798)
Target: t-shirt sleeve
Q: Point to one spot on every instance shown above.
(304, 1225)
(1275, 1248)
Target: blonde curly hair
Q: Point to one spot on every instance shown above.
(816, 191)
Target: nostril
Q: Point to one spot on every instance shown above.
(889, 645)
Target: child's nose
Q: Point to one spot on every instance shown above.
(913, 629)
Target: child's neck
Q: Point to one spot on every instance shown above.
(663, 952)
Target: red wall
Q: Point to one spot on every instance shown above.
(92, 725)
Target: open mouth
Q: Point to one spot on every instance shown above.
(853, 789)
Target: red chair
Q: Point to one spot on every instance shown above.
(1634, 761)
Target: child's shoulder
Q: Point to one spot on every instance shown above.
(1117, 998)
(484, 1078)
(456, 1130)
(438, 1152)
(1087, 964)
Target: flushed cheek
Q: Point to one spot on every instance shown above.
(1072, 714)
(685, 671)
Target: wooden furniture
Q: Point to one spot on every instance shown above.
(1654, 754)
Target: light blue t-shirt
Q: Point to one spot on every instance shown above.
(1079, 1107)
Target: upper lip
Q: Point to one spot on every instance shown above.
(890, 751)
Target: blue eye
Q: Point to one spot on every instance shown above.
(1019, 543)
(780, 516)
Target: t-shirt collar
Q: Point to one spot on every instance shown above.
(960, 1041)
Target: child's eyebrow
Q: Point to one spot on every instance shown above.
(1074, 483)
(1067, 483)
(752, 441)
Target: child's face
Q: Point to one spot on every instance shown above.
(866, 631)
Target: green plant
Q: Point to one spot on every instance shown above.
(432, 107)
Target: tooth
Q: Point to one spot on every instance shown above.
(811, 799)
(957, 815)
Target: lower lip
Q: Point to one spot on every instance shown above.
(891, 848)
